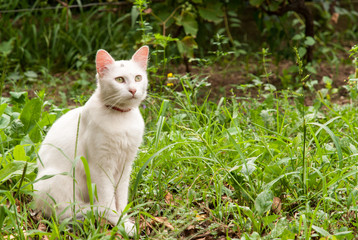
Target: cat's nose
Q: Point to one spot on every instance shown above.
(132, 91)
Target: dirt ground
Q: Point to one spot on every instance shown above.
(224, 80)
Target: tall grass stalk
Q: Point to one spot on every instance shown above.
(75, 160)
(303, 109)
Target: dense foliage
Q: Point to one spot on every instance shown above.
(273, 158)
(46, 33)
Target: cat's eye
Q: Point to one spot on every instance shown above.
(138, 78)
(120, 79)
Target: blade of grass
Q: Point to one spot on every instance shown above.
(335, 141)
(140, 173)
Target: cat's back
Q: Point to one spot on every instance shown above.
(61, 138)
(66, 125)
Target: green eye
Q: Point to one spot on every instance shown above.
(120, 79)
(138, 78)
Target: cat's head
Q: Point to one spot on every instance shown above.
(122, 84)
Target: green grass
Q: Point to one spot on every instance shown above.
(206, 169)
(236, 167)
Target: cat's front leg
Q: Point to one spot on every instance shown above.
(107, 193)
(122, 186)
(121, 192)
(106, 202)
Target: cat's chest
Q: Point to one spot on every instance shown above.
(113, 133)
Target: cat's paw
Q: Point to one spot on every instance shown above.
(130, 228)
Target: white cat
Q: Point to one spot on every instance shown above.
(110, 130)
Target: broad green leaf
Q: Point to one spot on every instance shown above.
(30, 74)
(19, 153)
(249, 166)
(274, 5)
(327, 80)
(14, 76)
(3, 108)
(163, 40)
(256, 3)
(263, 202)
(253, 236)
(47, 119)
(134, 15)
(18, 97)
(190, 24)
(298, 36)
(267, 220)
(6, 47)
(280, 228)
(35, 134)
(321, 231)
(212, 12)
(186, 46)
(309, 41)
(287, 234)
(31, 114)
(15, 168)
(311, 69)
(343, 233)
(4, 121)
(302, 51)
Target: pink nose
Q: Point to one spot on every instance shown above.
(132, 91)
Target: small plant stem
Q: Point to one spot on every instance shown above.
(17, 223)
(304, 163)
(164, 23)
(21, 180)
(356, 72)
(227, 27)
(302, 102)
(2, 80)
(264, 53)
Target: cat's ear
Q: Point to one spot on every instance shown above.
(103, 59)
(141, 57)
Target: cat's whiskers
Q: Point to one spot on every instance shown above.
(112, 100)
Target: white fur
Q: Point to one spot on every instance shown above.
(107, 138)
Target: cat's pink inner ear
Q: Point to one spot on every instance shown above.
(103, 59)
(141, 56)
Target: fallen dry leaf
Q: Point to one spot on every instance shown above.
(36, 215)
(42, 227)
(163, 220)
(44, 237)
(201, 217)
(144, 224)
(18, 205)
(116, 234)
(276, 205)
(16, 237)
(335, 17)
(168, 198)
